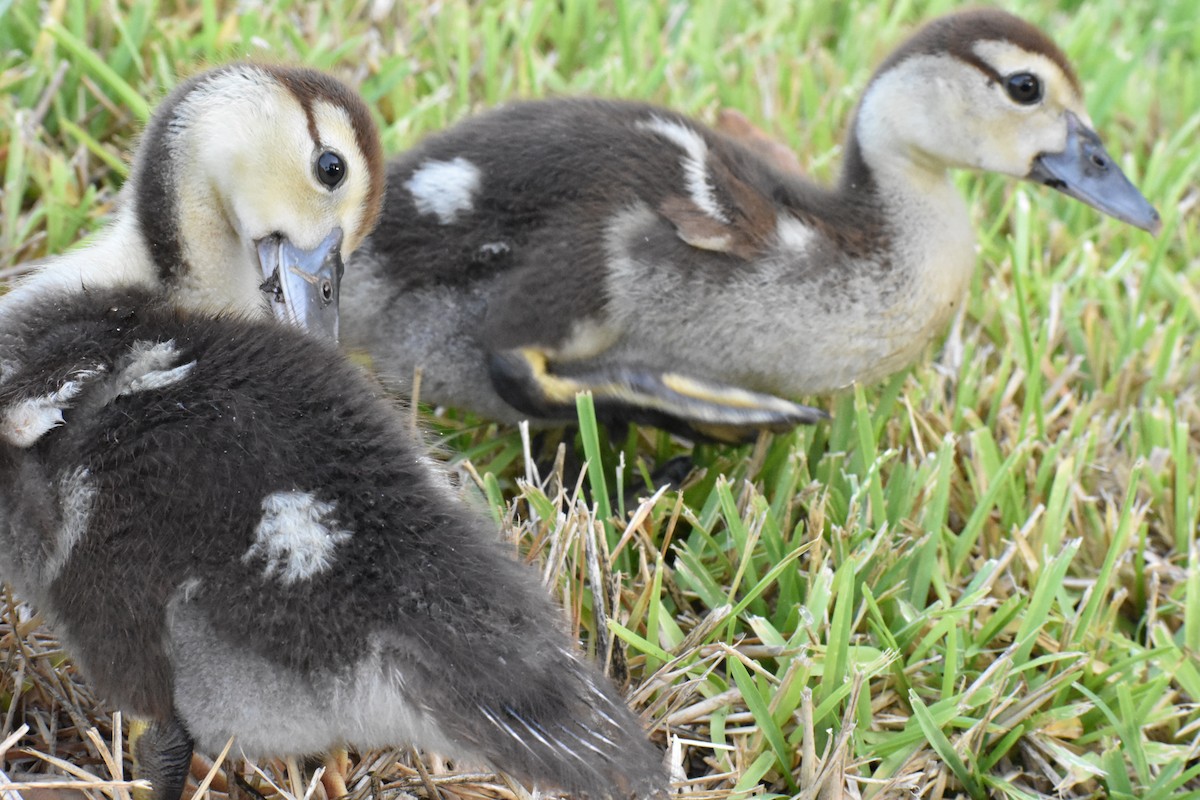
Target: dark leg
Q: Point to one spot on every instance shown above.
(244, 785)
(162, 754)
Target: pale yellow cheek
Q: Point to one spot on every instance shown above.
(351, 214)
(310, 217)
(1011, 151)
(1052, 132)
(282, 199)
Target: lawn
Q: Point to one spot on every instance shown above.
(980, 579)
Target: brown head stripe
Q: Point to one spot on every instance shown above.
(308, 86)
(958, 33)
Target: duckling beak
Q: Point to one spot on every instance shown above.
(302, 286)
(1085, 171)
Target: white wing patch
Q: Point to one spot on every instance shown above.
(445, 188)
(157, 379)
(793, 235)
(695, 169)
(296, 536)
(24, 422)
(152, 367)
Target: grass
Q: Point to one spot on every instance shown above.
(980, 579)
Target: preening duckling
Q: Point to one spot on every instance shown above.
(249, 186)
(236, 536)
(549, 247)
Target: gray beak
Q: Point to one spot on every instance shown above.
(302, 286)
(1086, 172)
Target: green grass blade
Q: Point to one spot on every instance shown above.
(96, 66)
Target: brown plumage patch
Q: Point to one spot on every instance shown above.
(958, 33)
(700, 229)
(752, 214)
(737, 126)
(308, 86)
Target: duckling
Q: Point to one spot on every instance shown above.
(232, 532)
(236, 535)
(250, 185)
(682, 275)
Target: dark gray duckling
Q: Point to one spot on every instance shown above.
(235, 535)
(549, 247)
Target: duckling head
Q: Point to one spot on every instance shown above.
(251, 185)
(985, 90)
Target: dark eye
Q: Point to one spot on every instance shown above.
(331, 169)
(327, 291)
(1024, 87)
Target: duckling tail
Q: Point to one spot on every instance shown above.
(505, 684)
(570, 731)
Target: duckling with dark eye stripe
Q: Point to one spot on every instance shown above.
(234, 535)
(550, 247)
(250, 185)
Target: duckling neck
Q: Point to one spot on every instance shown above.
(215, 269)
(172, 233)
(927, 219)
(199, 254)
(896, 150)
(902, 280)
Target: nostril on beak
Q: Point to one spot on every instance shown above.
(1099, 161)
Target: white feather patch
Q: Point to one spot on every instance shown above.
(157, 379)
(25, 422)
(445, 188)
(695, 169)
(297, 536)
(793, 235)
(153, 367)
